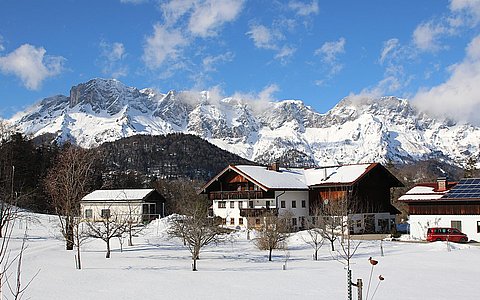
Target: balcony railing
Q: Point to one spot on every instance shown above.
(235, 195)
(257, 212)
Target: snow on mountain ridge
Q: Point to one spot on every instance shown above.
(355, 130)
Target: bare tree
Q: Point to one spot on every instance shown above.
(273, 233)
(70, 179)
(80, 236)
(315, 236)
(111, 225)
(196, 229)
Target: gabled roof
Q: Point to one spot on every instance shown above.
(298, 178)
(118, 195)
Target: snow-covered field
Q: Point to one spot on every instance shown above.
(157, 267)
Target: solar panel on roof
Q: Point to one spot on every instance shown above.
(468, 188)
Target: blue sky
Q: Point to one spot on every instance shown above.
(316, 51)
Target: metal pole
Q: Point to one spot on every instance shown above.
(359, 287)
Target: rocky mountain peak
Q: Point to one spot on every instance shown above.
(355, 130)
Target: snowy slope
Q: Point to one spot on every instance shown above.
(386, 129)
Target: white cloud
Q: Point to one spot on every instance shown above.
(165, 44)
(209, 62)
(426, 36)
(270, 39)
(112, 56)
(329, 54)
(459, 96)
(265, 38)
(469, 7)
(285, 52)
(173, 10)
(304, 9)
(205, 17)
(1, 44)
(208, 16)
(389, 49)
(267, 93)
(31, 65)
(330, 50)
(260, 101)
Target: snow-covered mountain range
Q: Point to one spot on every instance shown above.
(367, 130)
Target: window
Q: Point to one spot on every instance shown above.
(232, 221)
(224, 221)
(294, 221)
(88, 213)
(232, 204)
(282, 204)
(359, 223)
(240, 220)
(257, 221)
(105, 213)
(457, 224)
(478, 226)
(240, 204)
(222, 204)
(304, 203)
(294, 204)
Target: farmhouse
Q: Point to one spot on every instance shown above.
(242, 194)
(444, 204)
(138, 205)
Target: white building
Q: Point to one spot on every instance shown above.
(444, 204)
(138, 205)
(242, 194)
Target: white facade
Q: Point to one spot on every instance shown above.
(131, 210)
(470, 224)
(135, 205)
(295, 202)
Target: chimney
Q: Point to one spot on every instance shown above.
(275, 166)
(442, 184)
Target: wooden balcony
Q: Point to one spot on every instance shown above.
(257, 212)
(225, 195)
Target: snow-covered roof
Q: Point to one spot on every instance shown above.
(335, 175)
(422, 192)
(285, 179)
(297, 178)
(117, 195)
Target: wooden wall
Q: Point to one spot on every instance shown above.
(457, 208)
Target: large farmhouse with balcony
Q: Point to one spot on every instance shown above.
(242, 194)
(444, 204)
(138, 205)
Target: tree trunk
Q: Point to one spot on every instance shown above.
(194, 267)
(316, 254)
(130, 239)
(79, 261)
(108, 249)
(270, 255)
(69, 236)
(333, 247)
